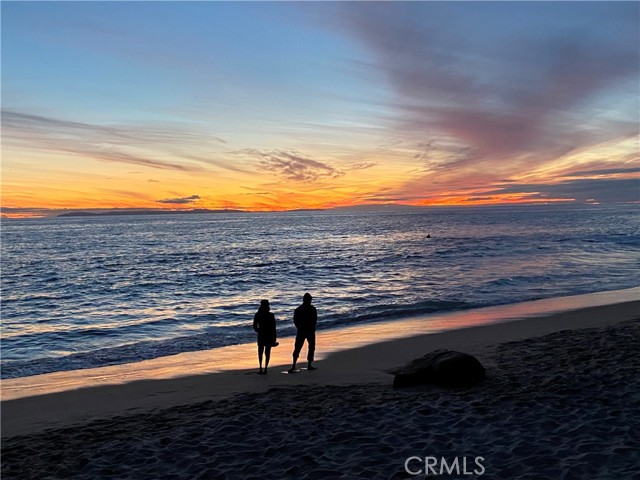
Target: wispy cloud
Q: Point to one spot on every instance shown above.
(623, 190)
(361, 165)
(603, 172)
(390, 198)
(181, 200)
(444, 83)
(438, 154)
(120, 157)
(292, 165)
(478, 199)
(125, 193)
(120, 144)
(496, 101)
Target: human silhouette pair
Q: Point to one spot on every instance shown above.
(305, 318)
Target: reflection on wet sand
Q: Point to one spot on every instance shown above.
(243, 357)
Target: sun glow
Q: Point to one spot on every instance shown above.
(316, 114)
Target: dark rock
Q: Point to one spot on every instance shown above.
(441, 367)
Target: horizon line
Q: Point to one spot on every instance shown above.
(10, 213)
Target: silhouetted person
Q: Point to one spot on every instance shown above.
(264, 323)
(305, 318)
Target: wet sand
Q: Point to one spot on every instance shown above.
(560, 401)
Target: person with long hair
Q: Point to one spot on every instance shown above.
(264, 324)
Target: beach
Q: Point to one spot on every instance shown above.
(560, 401)
(439, 200)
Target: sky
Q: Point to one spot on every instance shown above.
(287, 105)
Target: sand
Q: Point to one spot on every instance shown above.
(561, 400)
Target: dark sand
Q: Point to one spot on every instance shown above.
(562, 405)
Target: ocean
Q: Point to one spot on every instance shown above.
(83, 292)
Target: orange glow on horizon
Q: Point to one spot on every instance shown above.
(29, 191)
(495, 200)
(445, 200)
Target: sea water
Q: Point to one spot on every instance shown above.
(81, 292)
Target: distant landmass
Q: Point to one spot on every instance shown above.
(389, 207)
(122, 212)
(146, 212)
(10, 213)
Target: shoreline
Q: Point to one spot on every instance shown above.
(358, 365)
(331, 340)
(338, 336)
(560, 401)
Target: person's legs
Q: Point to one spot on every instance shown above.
(296, 350)
(267, 356)
(260, 350)
(311, 339)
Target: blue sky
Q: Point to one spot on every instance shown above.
(329, 103)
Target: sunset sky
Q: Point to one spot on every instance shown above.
(271, 106)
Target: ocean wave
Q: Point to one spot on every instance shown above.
(91, 293)
(216, 337)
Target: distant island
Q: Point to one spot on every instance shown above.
(146, 212)
(366, 208)
(122, 212)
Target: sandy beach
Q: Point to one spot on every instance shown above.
(560, 401)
